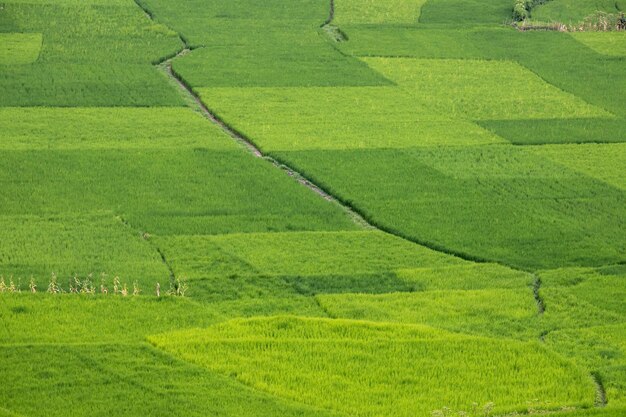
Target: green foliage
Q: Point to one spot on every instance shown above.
(360, 364)
(478, 92)
(43, 128)
(557, 131)
(339, 118)
(375, 12)
(573, 11)
(500, 203)
(127, 380)
(495, 313)
(71, 246)
(91, 56)
(611, 43)
(19, 48)
(165, 191)
(603, 162)
(465, 12)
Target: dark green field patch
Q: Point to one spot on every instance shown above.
(539, 132)
(133, 380)
(499, 203)
(195, 190)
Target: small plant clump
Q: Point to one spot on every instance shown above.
(86, 285)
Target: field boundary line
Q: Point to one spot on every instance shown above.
(601, 399)
(357, 215)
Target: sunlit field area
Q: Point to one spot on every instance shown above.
(312, 208)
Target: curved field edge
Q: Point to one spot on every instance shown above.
(373, 369)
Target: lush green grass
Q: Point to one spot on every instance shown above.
(557, 131)
(367, 369)
(41, 128)
(607, 43)
(472, 276)
(603, 162)
(273, 44)
(89, 319)
(500, 203)
(370, 11)
(19, 48)
(194, 191)
(573, 11)
(127, 380)
(91, 56)
(477, 89)
(495, 313)
(339, 118)
(595, 78)
(241, 268)
(463, 12)
(81, 245)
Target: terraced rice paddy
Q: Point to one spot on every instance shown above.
(308, 208)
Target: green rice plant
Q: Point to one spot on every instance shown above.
(494, 202)
(339, 118)
(612, 44)
(19, 48)
(474, 276)
(128, 380)
(297, 254)
(43, 128)
(466, 12)
(495, 313)
(164, 191)
(368, 369)
(476, 96)
(574, 11)
(604, 162)
(557, 131)
(373, 12)
(76, 319)
(73, 247)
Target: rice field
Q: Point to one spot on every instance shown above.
(308, 208)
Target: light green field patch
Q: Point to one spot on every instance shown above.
(496, 313)
(605, 162)
(107, 128)
(482, 90)
(19, 48)
(339, 118)
(81, 245)
(299, 253)
(372, 11)
(72, 3)
(574, 11)
(367, 370)
(606, 43)
(476, 276)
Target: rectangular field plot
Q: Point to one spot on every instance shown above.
(606, 43)
(367, 369)
(129, 381)
(552, 131)
(40, 128)
(19, 48)
(481, 90)
(338, 118)
(298, 254)
(279, 57)
(604, 162)
(374, 12)
(37, 247)
(96, 319)
(165, 191)
(495, 313)
(466, 12)
(497, 203)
